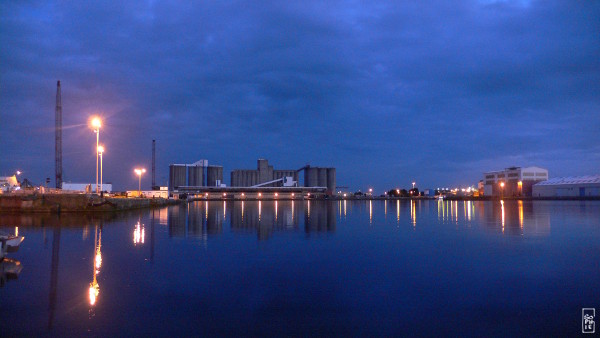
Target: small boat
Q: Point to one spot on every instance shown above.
(9, 269)
(10, 243)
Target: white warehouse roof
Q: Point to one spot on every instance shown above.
(590, 179)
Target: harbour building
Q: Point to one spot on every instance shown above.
(513, 181)
(581, 186)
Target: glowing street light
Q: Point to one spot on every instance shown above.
(96, 124)
(100, 152)
(139, 172)
(501, 189)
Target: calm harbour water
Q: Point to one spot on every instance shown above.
(307, 268)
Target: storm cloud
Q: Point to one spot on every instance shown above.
(387, 92)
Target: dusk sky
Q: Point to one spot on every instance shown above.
(388, 92)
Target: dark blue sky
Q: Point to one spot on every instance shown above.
(389, 93)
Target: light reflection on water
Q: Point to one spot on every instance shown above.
(223, 228)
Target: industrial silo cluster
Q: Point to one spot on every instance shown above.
(263, 174)
(200, 178)
(198, 174)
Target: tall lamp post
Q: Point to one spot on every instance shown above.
(501, 189)
(100, 152)
(96, 124)
(139, 172)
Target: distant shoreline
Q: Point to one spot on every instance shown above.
(419, 198)
(91, 203)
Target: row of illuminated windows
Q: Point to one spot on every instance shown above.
(516, 175)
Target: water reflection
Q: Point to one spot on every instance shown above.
(385, 209)
(515, 217)
(203, 218)
(139, 233)
(9, 270)
(322, 218)
(53, 274)
(94, 289)
(413, 213)
(264, 217)
(521, 214)
(420, 230)
(345, 207)
(502, 213)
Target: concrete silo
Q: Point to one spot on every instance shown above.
(322, 180)
(177, 176)
(331, 182)
(311, 177)
(213, 174)
(195, 175)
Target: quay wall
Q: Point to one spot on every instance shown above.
(55, 203)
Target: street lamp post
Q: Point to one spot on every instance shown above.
(501, 189)
(96, 124)
(100, 152)
(139, 172)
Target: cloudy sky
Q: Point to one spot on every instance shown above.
(388, 92)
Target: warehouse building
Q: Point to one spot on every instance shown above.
(513, 181)
(582, 186)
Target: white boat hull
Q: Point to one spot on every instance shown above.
(11, 243)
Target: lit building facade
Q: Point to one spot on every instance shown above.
(8, 183)
(513, 181)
